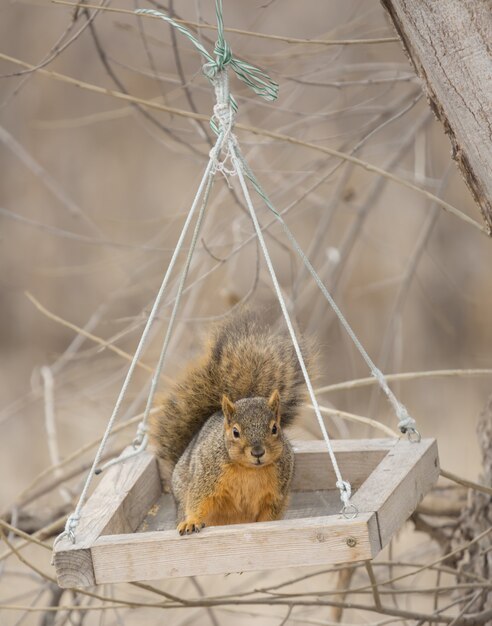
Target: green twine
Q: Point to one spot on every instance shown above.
(249, 74)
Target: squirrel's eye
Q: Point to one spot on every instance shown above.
(236, 433)
(274, 429)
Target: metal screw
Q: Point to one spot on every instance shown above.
(351, 542)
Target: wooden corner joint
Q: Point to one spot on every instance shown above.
(74, 568)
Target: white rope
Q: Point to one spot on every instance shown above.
(224, 116)
(342, 485)
(406, 423)
(141, 439)
(74, 519)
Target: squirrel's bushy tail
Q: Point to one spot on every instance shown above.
(244, 358)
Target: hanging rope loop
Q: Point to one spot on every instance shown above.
(349, 510)
(225, 107)
(70, 526)
(141, 435)
(406, 423)
(345, 490)
(414, 435)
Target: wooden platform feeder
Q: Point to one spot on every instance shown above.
(127, 531)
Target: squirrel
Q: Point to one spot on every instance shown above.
(218, 432)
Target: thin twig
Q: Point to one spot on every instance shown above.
(239, 31)
(261, 132)
(112, 75)
(374, 584)
(465, 482)
(356, 418)
(86, 334)
(403, 376)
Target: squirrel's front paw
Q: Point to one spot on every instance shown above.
(190, 525)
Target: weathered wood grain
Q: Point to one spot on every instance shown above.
(398, 484)
(449, 44)
(356, 459)
(120, 501)
(238, 548)
(302, 504)
(393, 476)
(74, 568)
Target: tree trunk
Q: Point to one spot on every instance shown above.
(477, 516)
(449, 43)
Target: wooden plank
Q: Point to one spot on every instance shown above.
(305, 504)
(448, 42)
(142, 486)
(127, 491)
(119, 502)
(239, 548)
(398, 484)
(313, 493)
(356, 459)
(74, 568)
(162, 514)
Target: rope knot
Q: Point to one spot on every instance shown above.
(407, 424)
(223, 54)
(70, 526)
(224, 117)
(349, 510)
(225, 107)
(345, 491)
(223, 57)
(140, 435)
(69, 530)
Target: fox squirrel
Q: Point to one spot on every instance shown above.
(219, 431)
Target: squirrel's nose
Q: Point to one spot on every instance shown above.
(258, 451)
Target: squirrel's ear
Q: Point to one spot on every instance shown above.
(228, 408)
(274, 403)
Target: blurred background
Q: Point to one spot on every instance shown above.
(94, 191)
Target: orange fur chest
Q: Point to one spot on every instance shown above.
(243, 495)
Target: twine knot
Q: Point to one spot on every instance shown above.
(225, 107)
(69, 530)
(345, 491)
(223, 57)
(140, 435)
(349, 510)
(224, 117)
(407, 424)
(71, 525)
(223, 53)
